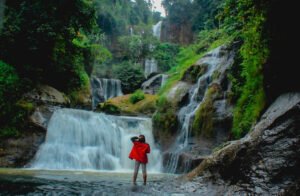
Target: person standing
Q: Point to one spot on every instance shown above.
(139, 153)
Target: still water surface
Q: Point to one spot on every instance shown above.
(57, 182)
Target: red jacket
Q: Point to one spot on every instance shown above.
(139, 152)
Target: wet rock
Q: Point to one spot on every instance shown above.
(42, 115)
(194, 72)
(179, 92)
(18, 152)
(46, 94)
(153, 84)
(266, 160)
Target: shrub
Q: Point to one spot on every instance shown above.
(137, 96)
(165, 118)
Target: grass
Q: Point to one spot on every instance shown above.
(123, 105)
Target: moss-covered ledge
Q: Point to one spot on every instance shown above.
(123, 106)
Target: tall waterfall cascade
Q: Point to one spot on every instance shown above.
(186, 114)
(151, 64)
(84, 140)
(104, 89)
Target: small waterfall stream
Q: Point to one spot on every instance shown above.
(150, 66)
(84, 140)
(187, 113)
(157, 29)
(103, 89)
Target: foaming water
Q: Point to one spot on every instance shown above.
(84, 140)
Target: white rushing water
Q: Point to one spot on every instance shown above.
(164, 78)
(104, 89)
(151, 63)
(157, 29)
(186, 114)
(150, 66)
(84, 140)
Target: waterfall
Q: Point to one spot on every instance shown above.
(150, 66)
(157, 29)
(187, 113)
(103, 89)
(131, 31)
(164, 78)
(84, 140)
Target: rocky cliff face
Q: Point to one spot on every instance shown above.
(177, 33)
(18, 152)
(203, 111)
(264, 162)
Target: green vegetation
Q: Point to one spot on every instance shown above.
(203, 122)
(137, 96)
(164, 54)
(43, 43)
(242, 21)
(130, 74)
(246, 19)
(187, 56)
(123, 105)
(39, 42)
(165, 118)
(200, 14)
(127, 27)
(9, 86)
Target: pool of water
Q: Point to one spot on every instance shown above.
(54, 182)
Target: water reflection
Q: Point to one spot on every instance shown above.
(47, 182)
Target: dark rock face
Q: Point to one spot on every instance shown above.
(16, 152)
(177, 33)
(208, 97)
(153, 84)
(264, 162)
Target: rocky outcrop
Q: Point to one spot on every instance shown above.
(178, 94)
(45, 94)
(153, 84)
(202, 108)
(265, 162)
(43, 101)
(18, 152)
(46, 100)
(122, 105)
(177, 33)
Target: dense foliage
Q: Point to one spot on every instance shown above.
(50, 42)
(199, 13)
(37, 39)
(246, 19)
(137, 96)
(9, 89)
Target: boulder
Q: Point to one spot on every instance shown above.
(18, 152)
(46, 94)
(178, 94)
(266, 161)
(44, 100)
(153, 84)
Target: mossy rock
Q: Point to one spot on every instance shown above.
(109, 108)
(192, 74)
(123, 105)
(203, 122)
